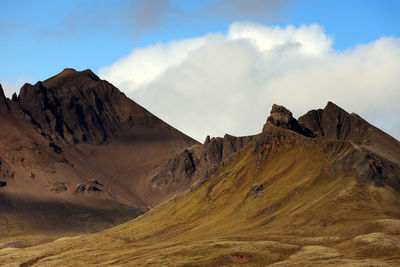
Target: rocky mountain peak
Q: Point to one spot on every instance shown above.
(67, 71)
(280, 114)
(335, 123)
(76, 106)
(332, 122)
(282, 117)
(70, 76)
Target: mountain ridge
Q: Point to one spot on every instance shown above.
(284, 199)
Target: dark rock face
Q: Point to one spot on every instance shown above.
(76, 106)
(55, 147)
(92, 188)
(2, 183)
(370, 167)
(312, 120)
(80, 188)
(3, 100)
(218, 149)
(14, 97)
(282, 117)
(335, 123)
(212, 151)
(182, 166)
(199, 162)
(94, 181)
(332, 122)
(207, 141)
(232, 144)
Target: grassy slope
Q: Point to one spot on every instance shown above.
(307, 212)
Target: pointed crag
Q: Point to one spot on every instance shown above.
(3, 100)
(335, 123)
(282, 117)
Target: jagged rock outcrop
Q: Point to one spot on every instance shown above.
(232, 144)
(332, 122)
(282, 117)
(80, 188)
(75, 106)
(183, 166)
(369, 166)
(94, 181)
(218, 149)
(372, 153)
(3, 100)
(335, 123)
(200, 161)
(213, 149)
(92, 188)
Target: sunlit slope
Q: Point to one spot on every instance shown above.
(312, 208)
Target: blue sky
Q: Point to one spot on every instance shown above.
(40, 38)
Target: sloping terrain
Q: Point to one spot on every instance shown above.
(290, 197)
(74, 158)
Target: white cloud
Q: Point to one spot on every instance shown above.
(143, 65)
(226, 83)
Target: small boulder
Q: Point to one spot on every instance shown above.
(59, 187)
(256, 188)
(80, 188)
(32, 175)
(94, 181)
(92, 188)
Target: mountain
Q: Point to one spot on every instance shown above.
(74, 157)
(319, 191)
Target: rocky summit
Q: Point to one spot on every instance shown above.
(73, 106)
(282, 117)
(79, 157)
